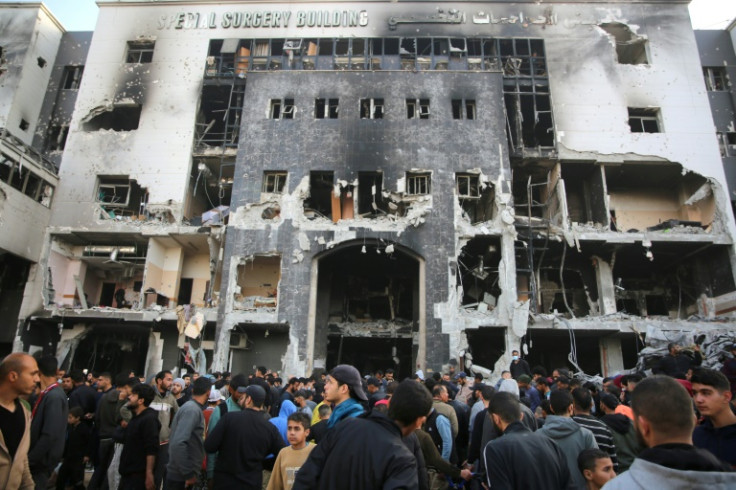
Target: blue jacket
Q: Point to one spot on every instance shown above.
(287, 408)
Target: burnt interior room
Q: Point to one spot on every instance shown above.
(555, 277)
(476, 197)
(656, 196)
(477, 272)
(370, 197)
(551, 348)
(115, 348)
(531, 189)
(585, 193)
(370, 354)
(321, 189)
(487, 345)
(667, 279)
(368, 292)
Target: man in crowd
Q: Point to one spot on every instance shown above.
(674, 363)
(712, 397)
(242, 441)
(518, 366)
(259, 378)
(368, 452)
(344, 390)
(82, 395)
(178, 390)
(141, 444)
(466, 387)
(601, 432)
(622, 431)
(530, 392)
(18, 377)
(571, 437)
(48, 426)
(521, 458)
(375, 393)
(165, 404)
(664, 420)
(596, 467)
(107, 419)
(230, 405)
(186, 444)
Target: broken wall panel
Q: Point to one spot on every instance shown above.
(478, 273)
(257, 282)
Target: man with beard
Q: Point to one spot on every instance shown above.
(138, 459)
(521, 458)
(664, 421)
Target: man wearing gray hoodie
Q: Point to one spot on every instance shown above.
(568, 434)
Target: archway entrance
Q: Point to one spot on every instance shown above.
(367, 308)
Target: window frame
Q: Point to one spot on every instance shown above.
(276, 180)
(645, 115)
(417, 180)
(139, 52)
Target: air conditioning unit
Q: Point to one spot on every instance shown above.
(238, 341)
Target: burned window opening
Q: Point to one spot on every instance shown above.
(554, 277)
(529, 120)
(22, 178)
(24, 125)
(218, 121)
(41, 62)
(257, 282)
(56, 138)
(370, 194)
(120, 196)
(371, 108)
(326, 108)
(672, 280)
(716, 79)
(658, 197)
(212, 178)
(644, 120)
(417, 108)
(463, 109)
(119, 118)
(476, 198)
(585, 195)
(281, 109)
(72, 77)
(631, 49)
(418, 183)
(140, 51)
(274, 182)
(478, 273)
(321, 190)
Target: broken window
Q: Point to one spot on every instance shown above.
(371, 108)
(326, 108)
(119, 118)
(321, 191)
(417, 108)
(21, 178)
(56, 139)
(72, 77)
(585, 194)
(257, 282)
(478, 273)
(463, 109)
(644, 120)
(281, 109)
(218, 122)
(24, 125)
(476, 199)
(370, 197)
(631, 49)
(140, 51)
(120, 196)
(418, 183)
(274, 182)
(41, 62)
(716, 79)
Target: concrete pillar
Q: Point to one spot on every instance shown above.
(612, 359)
(606, 288)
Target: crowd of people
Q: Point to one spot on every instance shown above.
(343, 430)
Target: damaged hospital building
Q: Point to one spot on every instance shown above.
(219, 185)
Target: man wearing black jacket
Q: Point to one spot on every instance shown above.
(107, 419)
(242, 441)
(140, 447)
(48, 425)
(368, 452)
(521, 458)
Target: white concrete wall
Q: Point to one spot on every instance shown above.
(27, 33)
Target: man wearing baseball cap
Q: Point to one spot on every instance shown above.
(344, 390)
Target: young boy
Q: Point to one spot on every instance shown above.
(76, 452)
(291, 458)
(596, 467)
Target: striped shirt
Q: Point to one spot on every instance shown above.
(602, 435)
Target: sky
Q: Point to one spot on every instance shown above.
(81, 15)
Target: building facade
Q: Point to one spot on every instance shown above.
(386, 184)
